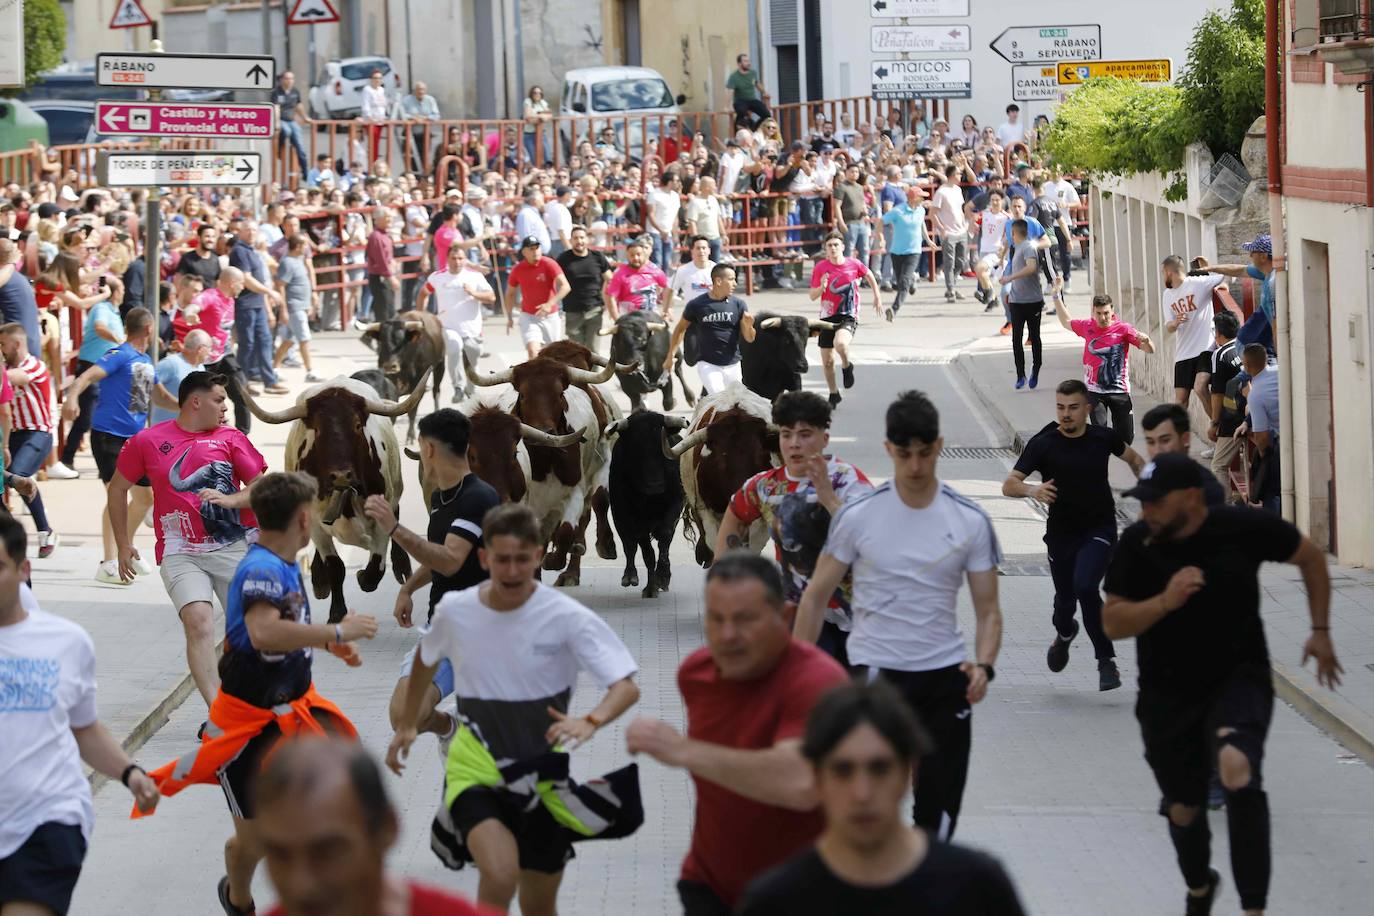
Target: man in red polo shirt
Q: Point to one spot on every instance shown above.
(748, 693)
(542, 286)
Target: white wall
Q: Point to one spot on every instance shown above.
(1130, 31)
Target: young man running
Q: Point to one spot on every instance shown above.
(717, 320)
(459, 292)
(992, 225)
(50, 727)
(1071, 457)
(1024, 300)
(1107, 344)
(588, 272)
(861, 742)
(906, 624)
(638, 285)
(1188, 312)
(835, 281)
(265, 690)
(797, 502)
(542, 286)
(1168, 429)
(692, 279)
(447, 554)
(516, 646)
(1184, 581)
(202, 471)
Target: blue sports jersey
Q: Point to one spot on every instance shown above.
(262, 678)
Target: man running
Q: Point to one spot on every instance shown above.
(797, 502)
(692, 279)
(515, 646)
(1071, 457)
(31, 438)
(1168, 429)
(835, 281)
(265, 688)
(715, 322)
(588, 272)
(459, 291)
(202, 472)
(1184, 581)
(906, 624)
(1188, 313)
(449, 552)
(542, 286)
(1024, 298)
(1107, 343)
(992, 224)
(50, 727)
(909, 241)
(748, 693)
(861, 742)
(638, 285)
(1228, 403)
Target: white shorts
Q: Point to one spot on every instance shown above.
(546, 330)
(988, 260)
(716, 379)
(192, 577)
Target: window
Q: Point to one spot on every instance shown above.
(1338, 20)
(629, 94)
(363, 70)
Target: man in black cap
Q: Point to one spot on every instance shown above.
(541, 286)
(1184, 581)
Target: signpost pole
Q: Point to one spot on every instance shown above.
(152, 252)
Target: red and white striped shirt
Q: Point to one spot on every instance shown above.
(33, 403)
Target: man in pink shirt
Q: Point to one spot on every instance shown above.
(383, 275)
(638, 285)
(212, 310)
(836, 281)
(1107, 343)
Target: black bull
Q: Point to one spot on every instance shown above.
(641, 338)
(776, 359)
(646, 494)
(407, 346)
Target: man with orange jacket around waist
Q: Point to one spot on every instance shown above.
(265, 691)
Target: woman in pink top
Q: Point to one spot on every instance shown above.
(835, 281)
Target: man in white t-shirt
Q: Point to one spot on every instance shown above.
(992, 229)
(906, 624)
(693, 278)
(1187, 303)
(48, 726)
(664, 203)
(1011, 130)
(704, 217)
(950, 211)
(459, 292)
(516, 647)
(558, 218)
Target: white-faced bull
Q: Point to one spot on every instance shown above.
(642, 339)
(646, 493)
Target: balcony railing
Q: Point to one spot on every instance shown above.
(1341, 20)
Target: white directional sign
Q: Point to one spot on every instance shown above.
(185, 71)
(11, 44)
(939, 78)
(895, 39)
(178, 169)
(1035, 83)
(916, 9)
(1034, 44)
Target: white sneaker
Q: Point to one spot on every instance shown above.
(142, 566)
(60, 471)
(47, 543)
(312, 377)
(447, 739)
(1208, 452)
(108, 573)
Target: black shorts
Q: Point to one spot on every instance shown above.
(1186, 370)
(236, 779)
(826, 338)
(106, 447)
(1180, 731)
(543, 844)
(45, 868)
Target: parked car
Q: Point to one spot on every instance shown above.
(69, 120)
(338, 91)
(603, 92)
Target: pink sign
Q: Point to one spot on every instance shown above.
(185, 119)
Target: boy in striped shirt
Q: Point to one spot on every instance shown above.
(31, 433)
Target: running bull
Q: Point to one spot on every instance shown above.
(646, 494)
(641, 340)
(409, 347)
(775, 360)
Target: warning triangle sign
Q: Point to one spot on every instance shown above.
(129, 14)
(309, 12)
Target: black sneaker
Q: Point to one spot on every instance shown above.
(848, 374)
(1201, 906)
(1108, 677)
(835, 399)
(250, 910)
(1058, 656)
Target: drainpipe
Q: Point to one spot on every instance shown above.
(1273, 74)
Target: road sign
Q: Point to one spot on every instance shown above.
(177, 169)
(895, 39)
(940, 78)
(1049, 44)
(917, 9)
(1035, 83)
(185, 71)
(184, 119)
(129, 14)
(11, 44)
(1144, 71)
(310, 12)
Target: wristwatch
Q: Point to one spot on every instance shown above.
(989, 671)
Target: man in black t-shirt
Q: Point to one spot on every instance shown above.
(715, 320)
(458, 501)
(862, 742)
(588, 272)
(1051, 217)
(287, 98)
(1184, 581)
(1168, 429)
(1228, 401)
(1071, 457)
(203, 261)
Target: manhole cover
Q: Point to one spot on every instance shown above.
(968, 452)
(1024, 569)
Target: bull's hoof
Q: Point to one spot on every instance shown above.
(368, 580)
(337, 612)
(630, 578)
(568, 579)
(650, 590)
(555, 561)
(705, 556)
(605, 548)
(664, 578)
(578, 549)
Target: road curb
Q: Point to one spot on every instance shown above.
(962, 363)
(149, 724)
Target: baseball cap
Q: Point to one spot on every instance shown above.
(1165, 474)
(531, 241)
(476, 192)
(1261, 242)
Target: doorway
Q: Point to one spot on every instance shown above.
(629, 23)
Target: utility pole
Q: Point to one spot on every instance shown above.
(152, 246)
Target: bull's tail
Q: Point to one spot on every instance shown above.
(690, 523)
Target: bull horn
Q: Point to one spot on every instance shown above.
(373, 328)
(655, 326)
(485, 381)
(415, 325)
(393, 409)
(583, 377)
(614, 428)
(412, 454)
(627, 367)
(294, 412)
(549, 440)
(596, 359)
(677, 423)
(769, 324)
(817, 324)
(692, 441)
(606, 332)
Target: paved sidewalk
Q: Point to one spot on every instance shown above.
(1347, 713)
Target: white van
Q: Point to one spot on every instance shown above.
(601, 93)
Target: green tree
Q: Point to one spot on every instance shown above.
(1223, 81)
(45, 38)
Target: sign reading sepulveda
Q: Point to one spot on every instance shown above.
(1049, 43)
(919, 39)
(938, 78)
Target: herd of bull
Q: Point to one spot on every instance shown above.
(548, 433)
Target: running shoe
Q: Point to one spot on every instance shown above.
(1058, 656)
(835, 399)
(949, 297)
(457, 398)
(1208, 452)
(277, 389)
(1108, 677)
(292, 362)
(1006, 329)
(107, 573)
(980, 294)
(1201, 906)
(958, 295)
(889, 314)
(1034, 379)
(848, 374)
(47, 543)
(229, 908)
(60, 471)
(312, 377)
(1020, 382)
(140, 565)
